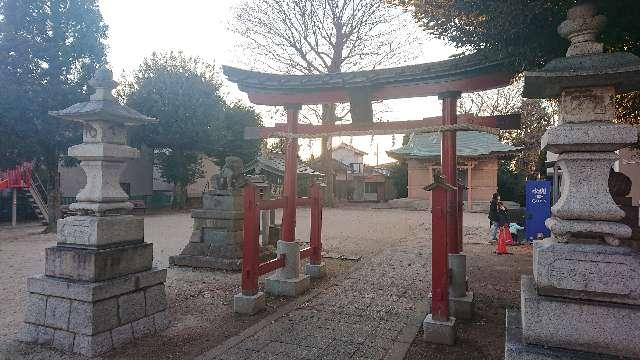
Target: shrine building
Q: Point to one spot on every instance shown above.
(478, 155)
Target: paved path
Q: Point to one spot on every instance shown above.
(370, 314)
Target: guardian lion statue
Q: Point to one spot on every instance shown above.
(231, 176)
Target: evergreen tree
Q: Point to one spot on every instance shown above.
(48, 51)
(183, 93)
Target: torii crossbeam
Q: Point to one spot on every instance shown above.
(446, 79)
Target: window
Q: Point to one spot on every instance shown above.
(371, 188)
(355, 168)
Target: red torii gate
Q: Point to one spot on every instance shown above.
(446, 79)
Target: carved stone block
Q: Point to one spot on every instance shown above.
(589, 272)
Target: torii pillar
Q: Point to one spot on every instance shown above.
(288, 281)
(460, 301)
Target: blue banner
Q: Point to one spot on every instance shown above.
(538, 208)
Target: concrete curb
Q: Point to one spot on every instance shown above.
(403, 342)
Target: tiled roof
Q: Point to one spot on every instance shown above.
(433, 72)
(351, 148)
(274, 163)
(318, 164)
(469, 144)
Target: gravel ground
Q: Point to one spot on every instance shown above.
(200, 301)
(495, 281)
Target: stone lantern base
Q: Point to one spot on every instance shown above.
(99, 290)
(94, 318)
(517, 349)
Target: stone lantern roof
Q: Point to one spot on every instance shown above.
(585, 64)
(102, 106)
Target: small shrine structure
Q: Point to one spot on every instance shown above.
(583, 301)
(445, 79)
(99, 290)
(478, 154)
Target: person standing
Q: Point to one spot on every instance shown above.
(493, 217)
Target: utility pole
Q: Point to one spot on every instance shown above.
(14, 207)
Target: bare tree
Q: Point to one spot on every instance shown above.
(537, 116)
(324, 36)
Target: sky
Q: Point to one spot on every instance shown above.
(199, 28)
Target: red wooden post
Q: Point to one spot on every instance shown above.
(316, 226)
(290, 176)
(250, 246)
(439, 256)
(449, 168)
(461, 189)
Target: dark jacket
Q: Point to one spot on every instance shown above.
(493, 211)
(503, 217)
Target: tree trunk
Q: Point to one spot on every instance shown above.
(326, 154)
(53, 197)
(180, 196)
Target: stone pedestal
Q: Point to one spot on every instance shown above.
(597, 272)
(516, 349)
(92, 318)
(315, 271)
(249, 304)
(216, 240)
(287, 281)
(591, 326)
(439, 332)
(99, 290)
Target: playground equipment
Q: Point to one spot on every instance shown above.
(252, 268)
(22, 178)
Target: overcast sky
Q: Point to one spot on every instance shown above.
(199, 28)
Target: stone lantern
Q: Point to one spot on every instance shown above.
(584, 296)
(99, 290)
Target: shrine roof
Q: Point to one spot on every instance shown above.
(465, 73)
(274, 164)
(468, 144)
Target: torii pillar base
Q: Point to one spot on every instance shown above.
(439, 332)
(287, 281)
(460, 299)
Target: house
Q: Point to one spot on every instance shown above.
(195, 190)
(270, 167)
(478, 156)
(354, 180)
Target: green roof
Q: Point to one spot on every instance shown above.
(469, 144)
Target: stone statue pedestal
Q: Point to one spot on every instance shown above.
(217, 237)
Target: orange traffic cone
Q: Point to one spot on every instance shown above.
(501, 245)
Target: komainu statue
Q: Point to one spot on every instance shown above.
(231, 176)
